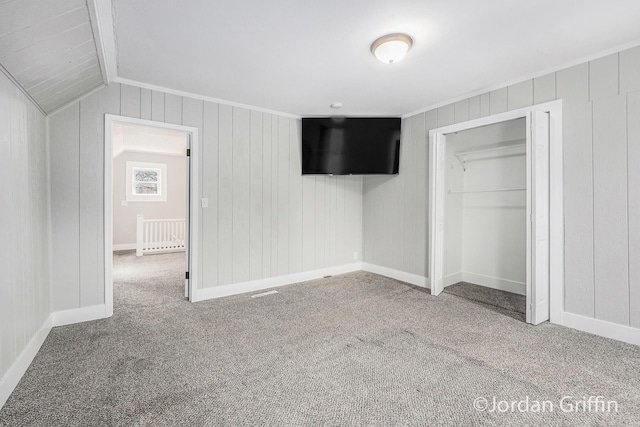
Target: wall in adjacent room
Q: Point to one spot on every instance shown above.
(24, 209)
(601, 136)
(264, 218)
(125, 217)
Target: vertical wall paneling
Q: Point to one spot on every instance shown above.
(630, 70)
(485, 104)
(65, 170)
(544, 88)
(633, 115)
(241, 193)
(308, 223)
(431, 122)
(321, 237)
(24, 255)
(145, 104)
(420, 177)
(109, 102)
(284, 154)
(611, 261)
(256, 193)
(498, 101)
(157, 106)
(342, 250)
(330, 202)
(461, 111)
(603, 77)
(275, 206)
(130, 96)
(225, 196)
(90, 151)
(295, 199)
(474, 108)
(520, 95)
(267, 196)
(210, 184)
(572, 86)
(406, 244)
(446, 115)
(573, 83)
(172, 108)
(578, 208)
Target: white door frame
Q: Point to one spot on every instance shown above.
(194, 209)
(556, 207)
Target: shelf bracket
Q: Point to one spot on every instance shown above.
(460, 159)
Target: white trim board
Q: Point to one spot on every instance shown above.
(124, 247)
(78, 315)
(506, 84)
(143, 85)
(403, 276)
(272, 282)
(487, 281)
(13, 376)
(601, 327)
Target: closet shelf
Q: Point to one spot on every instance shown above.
(462, 155)
(492, 190)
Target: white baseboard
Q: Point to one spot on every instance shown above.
(601, 327)
(452, 279)
(12, 377)
(519, 288)
(403, 276)
(77, 315)
(272, 282)
(124, 247)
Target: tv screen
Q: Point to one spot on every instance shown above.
(350, 146)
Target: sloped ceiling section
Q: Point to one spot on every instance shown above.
(49, 48)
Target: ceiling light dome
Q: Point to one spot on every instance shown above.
(391, 47)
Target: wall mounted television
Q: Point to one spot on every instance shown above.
(350, 145)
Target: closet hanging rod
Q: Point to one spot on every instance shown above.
(493, 190)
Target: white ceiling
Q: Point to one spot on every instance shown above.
(145, 139)
(49, 49)
(299, 56)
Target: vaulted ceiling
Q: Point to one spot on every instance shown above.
(48, 47)
(298, 57)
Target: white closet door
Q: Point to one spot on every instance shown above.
(437, 148)
(538, 215)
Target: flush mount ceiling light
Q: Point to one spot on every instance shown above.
(392, 47)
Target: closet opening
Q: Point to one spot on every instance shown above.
(485, 214)
(490, 230)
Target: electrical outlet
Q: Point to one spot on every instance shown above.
(355, 256)
(205, 202)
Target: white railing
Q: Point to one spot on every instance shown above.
(160, 235)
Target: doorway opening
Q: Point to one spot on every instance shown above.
(496, 209)
(150, 220)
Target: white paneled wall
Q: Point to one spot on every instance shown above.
(264, 218)
(601, 112)
(24, 212)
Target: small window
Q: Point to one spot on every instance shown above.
(146, 182)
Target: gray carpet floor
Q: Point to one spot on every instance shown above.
(350, 350)
(506, 303)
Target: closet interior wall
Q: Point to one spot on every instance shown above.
(485, 207)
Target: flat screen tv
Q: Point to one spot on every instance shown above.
(350, 146)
